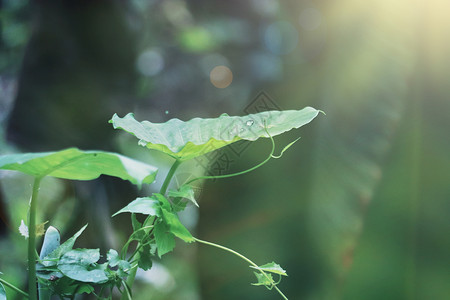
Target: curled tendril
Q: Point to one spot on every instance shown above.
(271, 155)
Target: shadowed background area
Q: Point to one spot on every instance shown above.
(357, 209)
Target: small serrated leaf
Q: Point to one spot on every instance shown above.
(165, 241)
(266, 280)
(165, 204)
(113, 257)
(176, 227)
(178, 204)
(185, 191)
(145, 258)
(145, 205)
(272, 268)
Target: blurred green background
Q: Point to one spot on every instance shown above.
(358, 209)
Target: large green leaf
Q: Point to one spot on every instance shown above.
(186, 140)
(79, 165)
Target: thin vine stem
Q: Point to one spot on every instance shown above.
(242, 172)
(244, 258)
(32, 287)
(15, 288)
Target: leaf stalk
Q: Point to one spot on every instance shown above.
(32, 287)
(13, 287)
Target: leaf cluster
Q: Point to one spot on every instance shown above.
(65, 271)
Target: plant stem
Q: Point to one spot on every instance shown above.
(32, 288)
(244, 258)
(169, 176)
(163, 190)
(13, 287)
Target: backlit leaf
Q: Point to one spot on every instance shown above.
(145, 205)
(186, 140)
(271, 267)
(176, 227)
(79, 165)
(263, 279)
(185, 191)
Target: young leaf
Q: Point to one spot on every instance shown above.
(75, 164)
(115, 261)
(145, 205)
(165, 241)
(51, 259)
(176, 227)
(113, 257)
(271, 267)
(80, 265)
(186, 140)
(165, 204)
(178, 204)
(185, 191)
(263, 279)
(145, 258)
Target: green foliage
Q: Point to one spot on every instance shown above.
(145, 205)
(187, 140)
(263, 279)
(81, 265)
(52, 258)
(64, 271)
(185, 191)
(272, 268)
(79, 165)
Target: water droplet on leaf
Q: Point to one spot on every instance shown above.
(249, 122)
(167, 112)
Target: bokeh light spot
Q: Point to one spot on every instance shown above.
(281, 37)
(310, 18)
(150, 63)
(221, 77)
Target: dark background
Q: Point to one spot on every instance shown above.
(358, 209)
